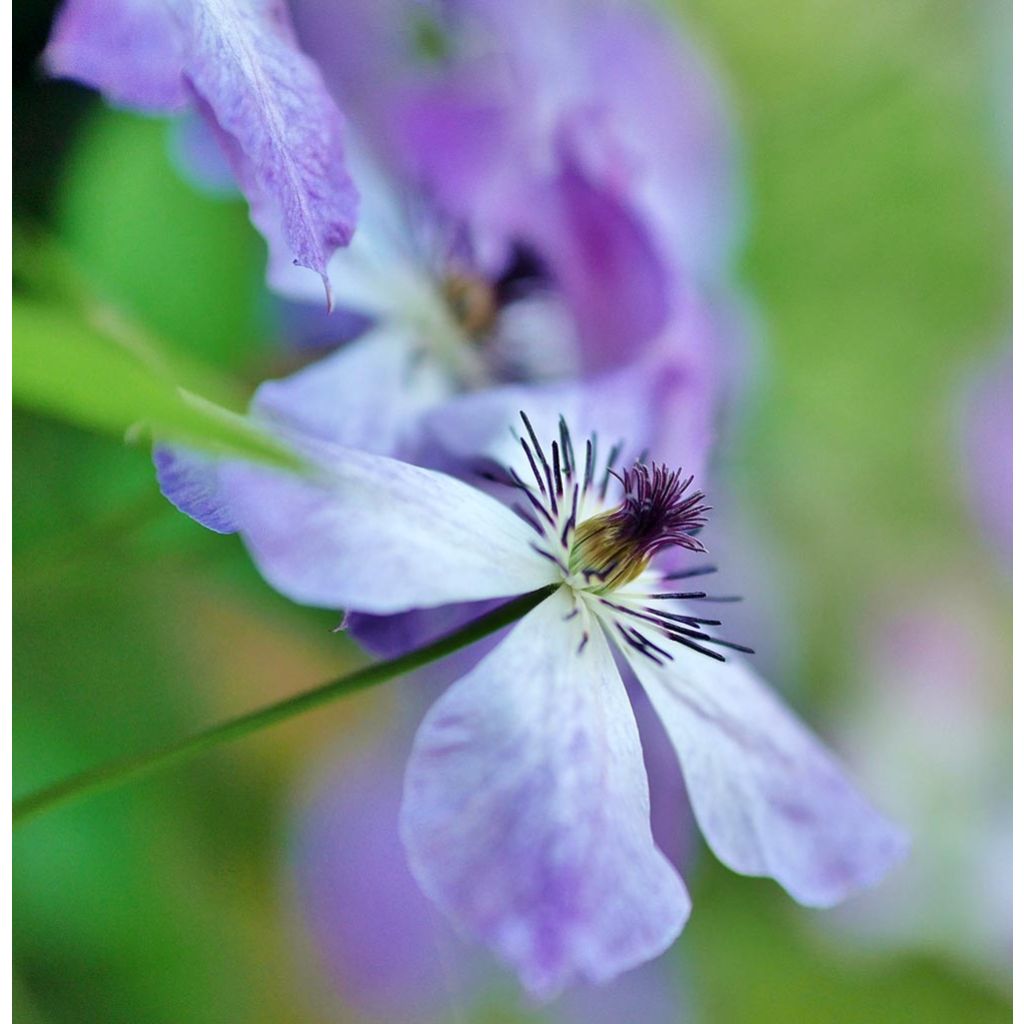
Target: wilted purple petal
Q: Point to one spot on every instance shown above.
(238, 62)
(769, 798)
(526, 812)
(130, 50)
(190, 481)
(242, 59)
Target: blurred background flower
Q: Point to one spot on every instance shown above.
(875, 151)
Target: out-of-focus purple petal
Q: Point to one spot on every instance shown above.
(617, 93)
(389, 951)
(663, 403)
(928, 716)
(664, 107)
(769, 798)
(526, 813)
(366, 395)
(988, 451)
(605, 263)
(650, 993)
(130, 50)
(191, 483)
(374, 534)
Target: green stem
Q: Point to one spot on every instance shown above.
(118, 771)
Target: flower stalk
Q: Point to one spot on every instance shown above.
(115, 772)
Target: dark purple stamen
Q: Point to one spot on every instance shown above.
(656, 512)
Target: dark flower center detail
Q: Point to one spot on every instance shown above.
(657, 511)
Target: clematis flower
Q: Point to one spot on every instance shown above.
(525, 814)
(529, 221)
(236, 63)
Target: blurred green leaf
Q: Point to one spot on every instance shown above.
(187, 264)
(67, 368)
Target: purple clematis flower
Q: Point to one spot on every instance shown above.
(528, 223)
(526, 812)
(237, 63)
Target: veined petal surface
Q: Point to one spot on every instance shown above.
(526, 813)
(769, 798)
(373, 534)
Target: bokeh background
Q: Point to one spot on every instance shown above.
(867, 483)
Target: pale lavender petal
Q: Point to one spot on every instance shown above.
(368, 395)
(373, 534)
(130, 50)
(526, 812)
(191, 482)
(768, 796)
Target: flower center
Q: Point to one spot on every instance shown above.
(656, 512)
(599, 550)
(472, 303)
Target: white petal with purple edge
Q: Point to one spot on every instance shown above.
(373, 534)
(526, 812)
(769, 798)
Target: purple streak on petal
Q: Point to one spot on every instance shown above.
(269, 98)
(388, 950)
(604, 260)
(987, 446)
(769, 798)
(526, 813)
(671, 818)
(130, 50)
(191, 482)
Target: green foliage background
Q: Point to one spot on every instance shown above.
(877, 158)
